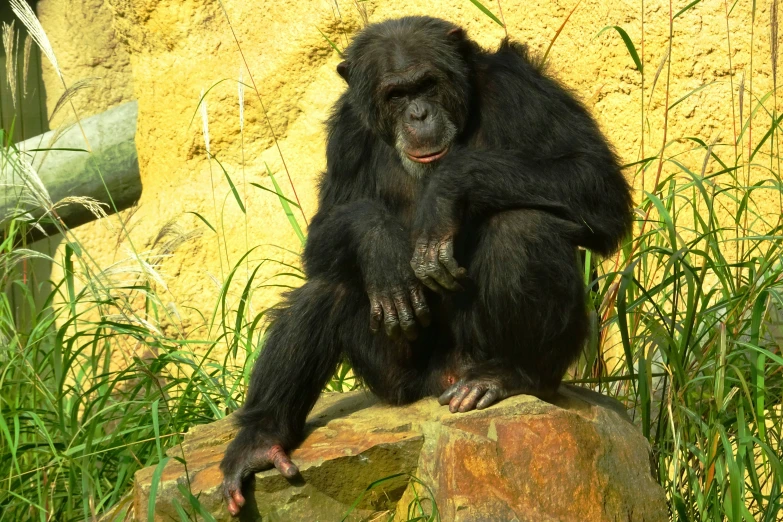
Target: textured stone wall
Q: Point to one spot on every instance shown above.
(179, 48)
(87, 48)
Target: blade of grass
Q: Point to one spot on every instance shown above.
(487, 12)
(628, 44)
(286, 207)
(230, 183)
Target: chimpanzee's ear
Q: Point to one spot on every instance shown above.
(342, 70)
(457, 33)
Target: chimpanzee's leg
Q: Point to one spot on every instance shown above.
(318, 323)
(300, 353)
(523, 320)
(399, 371)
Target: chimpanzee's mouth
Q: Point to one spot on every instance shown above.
(429, 157)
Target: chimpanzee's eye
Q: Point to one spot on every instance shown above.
(395, 94)
(427, 86)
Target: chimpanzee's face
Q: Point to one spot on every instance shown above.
(412, 103)
(412, 90)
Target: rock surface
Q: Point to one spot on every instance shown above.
(97, 56)
(574, 459)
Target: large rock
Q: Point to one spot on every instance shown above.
(574, 459)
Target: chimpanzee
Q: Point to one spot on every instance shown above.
(459, 184)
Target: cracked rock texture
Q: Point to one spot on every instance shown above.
(169, 51)
(88, 52)
(576, 459)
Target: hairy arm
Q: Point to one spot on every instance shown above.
(354, 234)
(586, 191)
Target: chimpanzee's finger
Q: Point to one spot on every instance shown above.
(376, 313)
(446, 258)
(489, 398)
(435, 270)
(446, 396)
(419, 303)
(282, 462)
(457, 399)
(391, 322)
(469, 401)
(427, 281)
(420, 269)
(232, 494)
(405, 314)
(419, 251)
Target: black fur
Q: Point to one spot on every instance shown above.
(527, 178)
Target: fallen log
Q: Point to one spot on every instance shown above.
(107, 170)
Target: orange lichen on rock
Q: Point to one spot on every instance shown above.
(576, 458)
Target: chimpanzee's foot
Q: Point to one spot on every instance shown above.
(467, 395)
(244, 458)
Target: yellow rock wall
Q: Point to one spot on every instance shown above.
(87, 49)
(179, 48)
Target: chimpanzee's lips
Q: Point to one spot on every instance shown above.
(429, 157)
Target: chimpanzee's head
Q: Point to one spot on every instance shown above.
(409, 81)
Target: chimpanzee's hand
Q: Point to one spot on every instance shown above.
(433, 252)
(395, 307)
(248, 453)
(396, 297)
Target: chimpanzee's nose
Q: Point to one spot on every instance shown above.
(417, 112)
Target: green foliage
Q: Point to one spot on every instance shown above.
(420, 508)
(91, 392)
(696, 299)
(487, 12)
(701, 343)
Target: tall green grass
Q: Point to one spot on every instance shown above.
(97, 380)
(700, 362)
(695, 300)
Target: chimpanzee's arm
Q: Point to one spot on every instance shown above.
(363, 239)
(341, 238)
(354, 235)
(586, 191)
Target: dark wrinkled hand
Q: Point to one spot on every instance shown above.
(473, 394)
(434, 227)
(434, 264)
(397, 300)
(398, 307)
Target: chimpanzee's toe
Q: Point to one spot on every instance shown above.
(471, 395)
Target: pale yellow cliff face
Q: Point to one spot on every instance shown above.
(87, 49)
(179, 48)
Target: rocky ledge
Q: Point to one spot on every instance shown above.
(576, 458)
